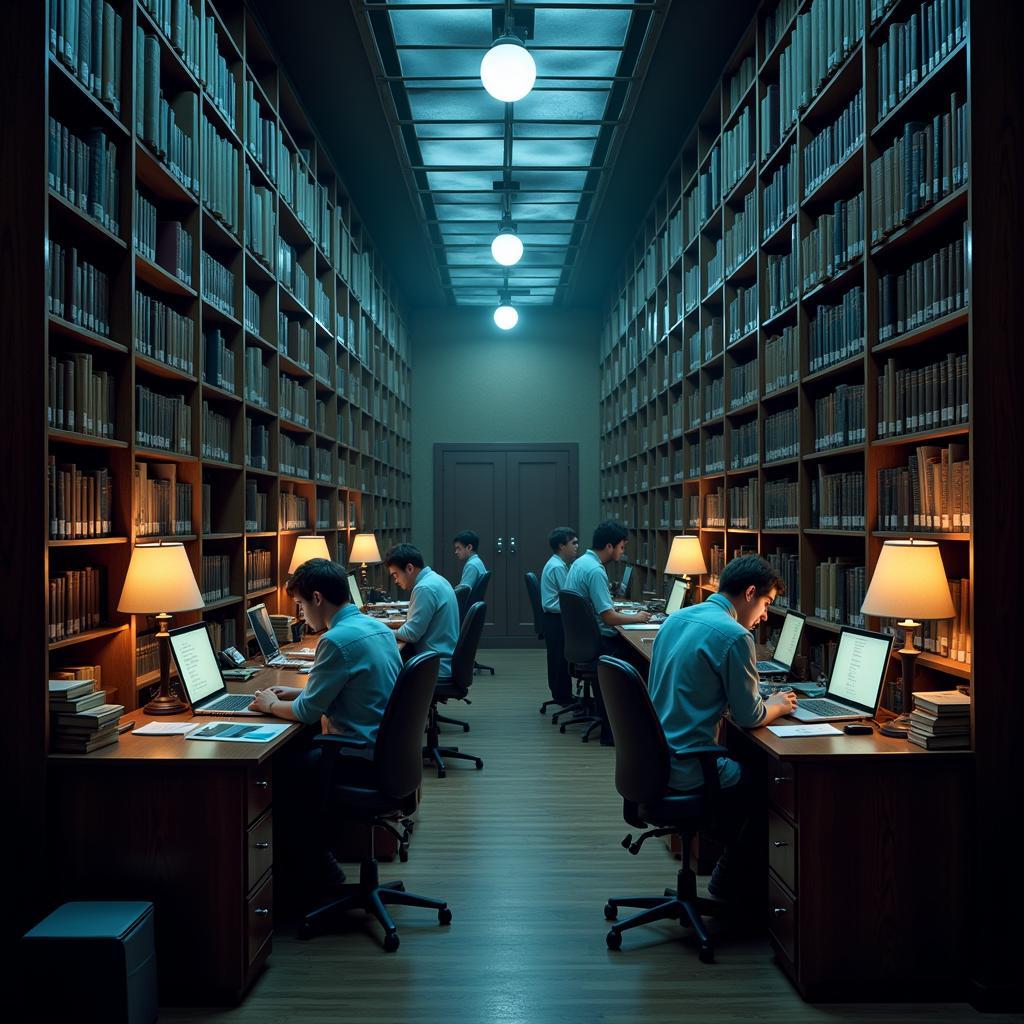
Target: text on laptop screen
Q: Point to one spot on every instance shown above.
(353, 590)
(197, 664)
(259, 619)
(785, 649)
(675, 598)
(857, 674)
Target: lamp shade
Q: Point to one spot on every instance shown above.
(364, 549)
(909, 582)
(159, 579)
(307, 547)
(685, 557)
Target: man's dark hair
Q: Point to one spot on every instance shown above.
(467, 538)
(749, 571)
(609, 532)
(319, 574)
(561, 535)
(402, 555)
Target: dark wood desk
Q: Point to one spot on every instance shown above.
(866, 859)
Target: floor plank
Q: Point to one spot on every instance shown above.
(526, 852)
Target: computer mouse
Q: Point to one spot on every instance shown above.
(857, 729)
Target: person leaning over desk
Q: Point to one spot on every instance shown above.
(357, 662)
(702, 663)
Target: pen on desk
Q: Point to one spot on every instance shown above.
(124, 727)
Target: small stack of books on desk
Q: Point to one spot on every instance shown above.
(284, 628)
(941, 720)
(80, 721)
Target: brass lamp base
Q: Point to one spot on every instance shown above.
(898, 728)
(165, 702)
(165, 705)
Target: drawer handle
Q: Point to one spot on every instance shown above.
(262, 846)
(780, 779)
(262, 784)
(777, 911)
(779, 842)
(262, 911)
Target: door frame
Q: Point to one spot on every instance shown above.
(572, 448)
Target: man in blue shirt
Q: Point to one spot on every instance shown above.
(566, 545)
(704, 662)
(354, 671)
(466, 546)
(432, 622)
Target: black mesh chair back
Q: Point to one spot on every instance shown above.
(397, 757)
(533, 592)
(479, 591)
(582, 637)
(462, 593)
(465, 648)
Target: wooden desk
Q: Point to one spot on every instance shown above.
(866, 861)
(188, 825)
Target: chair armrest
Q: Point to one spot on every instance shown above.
(681, 755)
(708, 757)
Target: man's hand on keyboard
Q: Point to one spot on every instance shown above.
(778, 705)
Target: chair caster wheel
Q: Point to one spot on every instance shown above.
(561, 729)
(441, 774)
(444, 916)
(613, 940)
(706, 955)
(479, 764)
(541, 710)
(391, 942)
(610, 912)
(465, 728)
(403, 852)
(305, 931)
(586, 739)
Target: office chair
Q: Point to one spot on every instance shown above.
(455, 687)
(643, 761)
(582, 649)
(478, 593)
(462, 593)
(533, 593)
(398, 767)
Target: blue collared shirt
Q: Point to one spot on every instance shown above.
(552, 580)
(356, 665)
(588, 578)
(703, 662)
(472, 570)
(433, 620)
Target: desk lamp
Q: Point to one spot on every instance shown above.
(908, 580)
(160, 580)
(364, 551)
(306, 547)
(685, 557)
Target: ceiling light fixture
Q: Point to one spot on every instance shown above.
(507, 247)
(506, 316)
(508, 70)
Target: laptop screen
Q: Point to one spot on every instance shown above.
(859, 668)
(259, 619)
(785, 649)
(675, 598)
(627, 575)
(197, 662)
(353, 591)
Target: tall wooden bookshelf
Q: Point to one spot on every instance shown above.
(680, 424)
(308, 312)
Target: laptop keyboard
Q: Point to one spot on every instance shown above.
(769, 666)
(232, 702)
(825, 707)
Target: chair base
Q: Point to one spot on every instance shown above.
(437, 754)
(586, 718)
(575, 708)
(373, 898)
(478, 668)
(551, 703)
(454, 721)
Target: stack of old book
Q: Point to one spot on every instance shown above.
(284, 628)
(941, 719)
(80, 721)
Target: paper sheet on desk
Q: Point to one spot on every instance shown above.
(165, 728)
(651, 625)
(819, 729)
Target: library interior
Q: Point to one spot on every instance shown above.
(390, 371)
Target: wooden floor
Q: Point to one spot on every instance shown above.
(526, 852)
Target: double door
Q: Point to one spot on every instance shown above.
(513, 496)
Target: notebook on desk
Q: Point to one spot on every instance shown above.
(200, 674)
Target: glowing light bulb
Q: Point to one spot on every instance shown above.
(507, 248)
(506, 316)
(508, 70)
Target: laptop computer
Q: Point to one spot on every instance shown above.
(622, 589)
(675, 597)
(785, 649)
(266, 638)
(353, 591)
(856, 681)
(200, 674)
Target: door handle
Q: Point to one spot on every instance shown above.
(501, 545)
(511, 545)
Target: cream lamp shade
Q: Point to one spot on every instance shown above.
(685, 557)
(307, 547)
(910, 582)
(159, 579)
(364, 549)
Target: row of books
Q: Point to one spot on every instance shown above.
(837, 500)
(164, 334)
(743, 447)
(79, 501)
(79, 397)
(322, 365)
(260, 222)
(834, 143)
(715, 268)
(714, 453)
(743, 384)
(251, 310)
(206, 508)
(218, 283)
(262, 136)
(782, 279)
(216, 440)
(295, 340)
(780, 195)
(922, 398)
(80, 720)
(215, 577)
(743, 506)
(714, 508)
(147, 654)
(293, 400)
(220, 177)
(834, 243)
(941, 720)
(743, 313)
(836, 332)
(781, 505)
(840, 418)
(259, 569)
(77, 290)
(304, 194)
(74, 602)
(932, 492)
(782, 360)
(165, 243)
(85, 36)
(163, 504)
(218, 360)
(324, 466)
(294, 457)
(781, 435)
(257, 444)
(257, 377)
(839, 588)
(215, 75)
(787, 567)
(255, 508)
(182, 27)
(83, 169)
(294, 511)
(693, 460)
(928, 289)
(740, 81)
(162, 421)
(738, 149)
(741, 235)
(223, 633)
(714, 398)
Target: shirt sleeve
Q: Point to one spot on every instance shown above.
(470, 574)
(600, 596)
(327, 678)
(421, 611)
(739, 673)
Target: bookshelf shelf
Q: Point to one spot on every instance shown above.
(921, 535)
(85, 440)
(152, 173)
(922, 436)
(838, 185)
(79, 220)
(841, 281)
(854, 362)
(835, 90)
(164, 456)
(159, 369)
(223, 602)
(261, 592)
(81, 334)
(947, 209)
(155, 276)
(943, 325)
(88, 542)
(86, 637)
(831, 453)
(959, 669)
(66, 85)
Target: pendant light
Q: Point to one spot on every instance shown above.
(506, 316)
(507, 247)
(508, 70)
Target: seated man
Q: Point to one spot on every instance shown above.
(466, 544)
(703, 662)
(356, 665)
(565, 544)
(432, 622)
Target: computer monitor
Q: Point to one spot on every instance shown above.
(676, 597)
(353, 590)
(622, 590)
(266, 638)
(789, 639)
(859, 669)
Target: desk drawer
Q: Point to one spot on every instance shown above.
(259, 842)
(782, 787)
(260, 913)
(782, 918)
(259, 791)
(782, 849)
